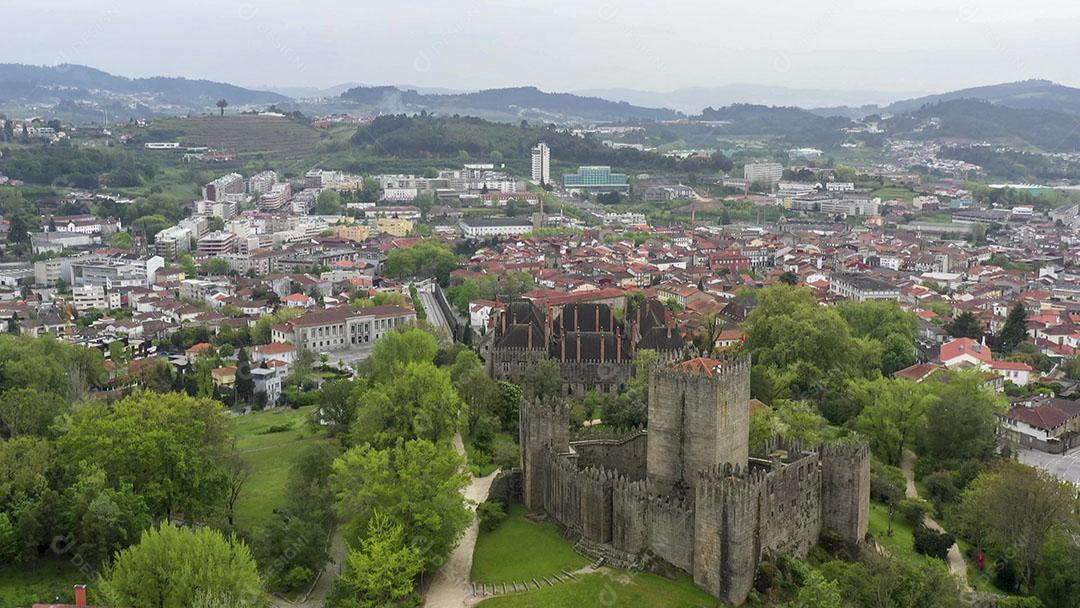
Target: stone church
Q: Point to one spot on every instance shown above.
(686, 492)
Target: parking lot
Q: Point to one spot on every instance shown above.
(1064, 466)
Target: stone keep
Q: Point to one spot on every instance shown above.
(699, 416)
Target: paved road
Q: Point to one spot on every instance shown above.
(434, 313)
(451, 586)
(957, 565)
(1063, 466)
(316, 598)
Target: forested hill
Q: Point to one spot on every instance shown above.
(34, 84)
(970, 119)
(431, 136)
(523, 102)
(1024, 95)
(797, 126)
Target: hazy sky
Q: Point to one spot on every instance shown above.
(891, 45)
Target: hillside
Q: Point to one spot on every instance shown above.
(515, 103)
(245, 135)
(794, 125)
(969, 119)
(432, 137)
(1026, 95)
(73, 89)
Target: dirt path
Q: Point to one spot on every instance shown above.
(957, 565)
(450, 586)
(316, 597)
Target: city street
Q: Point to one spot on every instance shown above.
(1064, 466)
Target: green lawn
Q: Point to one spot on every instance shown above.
(520, 550)
(269, 455)
(901, 542)
(893, 192)
(40, 581)
(637, 589)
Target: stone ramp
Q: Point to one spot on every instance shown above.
(481, 590)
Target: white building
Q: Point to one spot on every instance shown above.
(89, 297)
(541, 163)
(767, 173)
(481, 228)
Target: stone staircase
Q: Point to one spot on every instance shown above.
(489, 589)
(607, 555)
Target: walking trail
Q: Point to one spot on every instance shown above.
(957, 565)
(316, 597)
(450, 585)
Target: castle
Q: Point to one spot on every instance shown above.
(593, 345)
(686, 492)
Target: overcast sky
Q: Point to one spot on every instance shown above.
(888, 45)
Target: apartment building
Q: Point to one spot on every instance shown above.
(341, 328)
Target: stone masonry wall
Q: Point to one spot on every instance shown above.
(845, 486)
(624, 454)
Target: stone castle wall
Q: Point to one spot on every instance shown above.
(720, 526)
(625, 454)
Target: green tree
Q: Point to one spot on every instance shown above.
(1014, 509)
(167, 447)
(543, 379)
(420, 402)
(122, 240)
(28, 411)
(106, 519)
(381, 570)
(415, 483)
(962, 420)
(1015, 330)
(245, 383)
(203, 568)
(965, 325)
(893, 413)
(328, 202)
(1058, 585)
(215, 267)
(397, 349)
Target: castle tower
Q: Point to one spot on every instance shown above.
(699, 416)
(543, 429)
(845, 490)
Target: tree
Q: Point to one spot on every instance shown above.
(167, 447)
(222, 104)
(789, 278)
(328, 202)
(237, 473)
(337, 407)
(380, 572)
(215, 267)
(543, 379)
(898, 353)
(415, 483)
(28, 411)
(245, 383)
(106, 519)
(122, 240)
(819, 592)
(397, 349)
(961, 422)
(1058, 585)
(420, 402)
(203, 566)
(1014, 509)
(965, 325)
(883, 581)
(1015, 330)
(893, 413)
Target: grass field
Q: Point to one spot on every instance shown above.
(520, 550)
(269, 455)
(44, 580)
(893, 192)
(246, 136)
(636, 589)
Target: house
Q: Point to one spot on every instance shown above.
(80, 600)
(965, 352)
(267, 382)
(223, 376)
(480, 313)
(1042, 426)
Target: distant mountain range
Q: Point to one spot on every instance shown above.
(528, 103)
(692, 99)
(1036, 113)
(75, 89)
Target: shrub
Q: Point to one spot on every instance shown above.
(913, 511)
(931, 543)
(1020, 602)
(491, 513)
(297, 577)
(277, 428)
(941, 487)
(506, 456)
